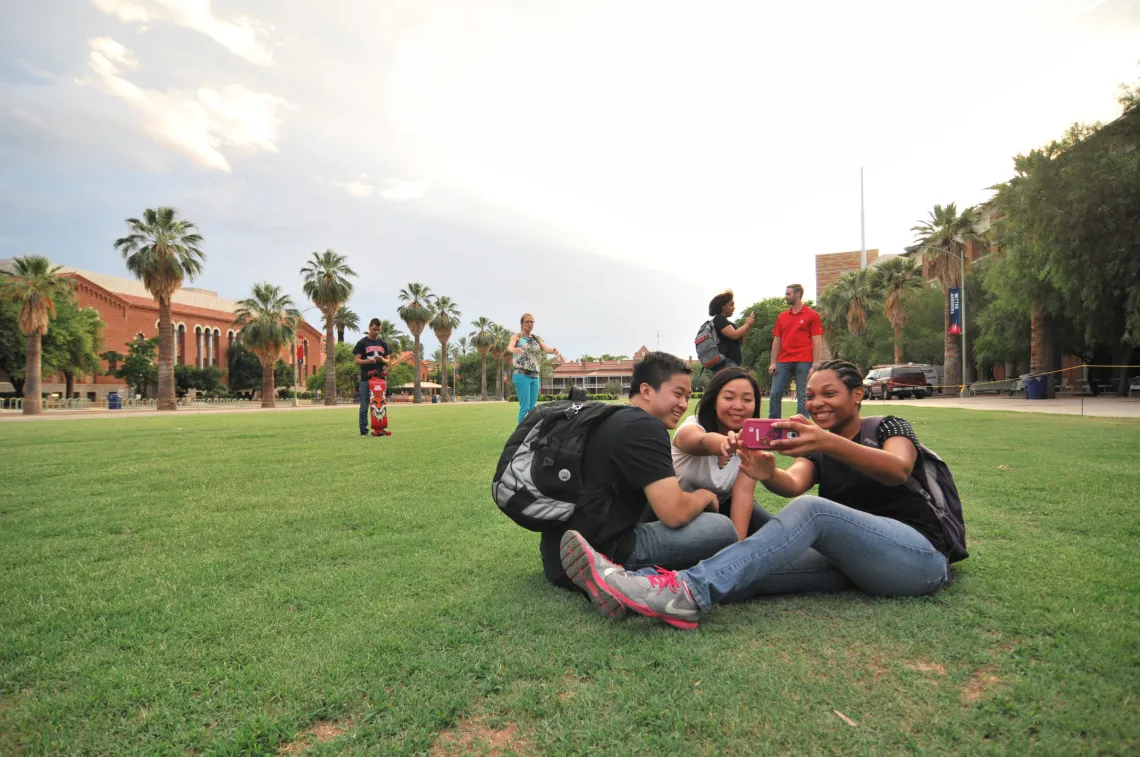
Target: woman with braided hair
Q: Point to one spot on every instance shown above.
(866, 529)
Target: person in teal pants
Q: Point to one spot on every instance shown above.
(527, 348)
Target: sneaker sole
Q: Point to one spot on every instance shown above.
(578, 562)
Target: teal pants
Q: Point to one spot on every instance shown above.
(526, 387)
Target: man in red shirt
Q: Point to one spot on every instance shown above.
(796, 342)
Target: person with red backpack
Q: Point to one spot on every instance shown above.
(888, 519)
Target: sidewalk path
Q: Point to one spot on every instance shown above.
(1102, 407)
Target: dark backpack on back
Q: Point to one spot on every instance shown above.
(936, 487)
(538, 482)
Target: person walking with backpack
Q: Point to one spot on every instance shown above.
(887, 519)
(527, 349)
(729, 336)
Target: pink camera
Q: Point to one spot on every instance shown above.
(759, 433)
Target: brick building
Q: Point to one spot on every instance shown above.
(203, 330)
(593, 376)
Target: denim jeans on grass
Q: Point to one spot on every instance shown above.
(677, 548)
(815, 544)
(526, 387)
(365, 401)
(780, 383)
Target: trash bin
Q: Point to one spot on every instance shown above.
(435, 399)
(1037, 387)
(114, 401)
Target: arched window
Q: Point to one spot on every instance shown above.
(180, 345)
(198, 337)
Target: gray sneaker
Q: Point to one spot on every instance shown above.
(661, 596)
(588, 569)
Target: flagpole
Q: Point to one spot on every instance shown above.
(862, 226)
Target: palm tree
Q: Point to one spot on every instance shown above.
(161, 250)
(417, 314)
(397, 340)
(35, 284)
(852, 296)
(943, 240)
(894, 279)
(267, 323)
(345, 319)
(463, 346)
(502, 337)
(482, 339)
(327, 285)
(447, 318)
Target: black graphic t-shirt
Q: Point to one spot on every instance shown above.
(367, 349)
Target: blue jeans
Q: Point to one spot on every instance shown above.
(815, 544)
(780, 383)
(675, 548)
(365, 400)
(526, 387)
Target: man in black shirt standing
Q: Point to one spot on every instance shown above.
(370, 353)
(649, 520)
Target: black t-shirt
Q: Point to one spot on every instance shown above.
(730, 348)
(368, 348)
(841, 483)
(629, 450)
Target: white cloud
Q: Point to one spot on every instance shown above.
(242, 36)
(199, 123)
(400, 190)
(395, 190)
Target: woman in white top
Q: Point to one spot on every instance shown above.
(700, 447)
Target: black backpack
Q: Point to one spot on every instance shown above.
(936, 487)
(539, 479)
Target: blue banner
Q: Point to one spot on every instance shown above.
(955, 311)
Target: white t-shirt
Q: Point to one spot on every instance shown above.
(703, 471)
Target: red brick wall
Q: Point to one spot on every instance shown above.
(830, 266)
(125, 317)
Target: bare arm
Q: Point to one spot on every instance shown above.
(890, 466)
(511, 348)
(548, 350)
(775, 354)
(369, 361)
(674, 507)
(739, 332)
(740, 509)
(694, 440)
(816, 348)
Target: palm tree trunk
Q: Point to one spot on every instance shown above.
(330, 359)
(166, 397)
(268, 390)
(951, 353)
(483, 377)
(898, 344)
(32, 402)
(417, 395)
(443, 373)
(339, 334)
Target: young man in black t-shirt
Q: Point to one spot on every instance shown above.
(371, 354)
(650, 520)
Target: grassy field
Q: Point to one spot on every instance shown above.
(260, 583)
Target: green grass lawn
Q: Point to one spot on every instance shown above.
(260, 583)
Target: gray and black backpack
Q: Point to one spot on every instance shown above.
(936, 487)
(539, 479)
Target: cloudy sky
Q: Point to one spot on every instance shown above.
(607, 165)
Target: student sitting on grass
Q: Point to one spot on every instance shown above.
(627, 457)
(866, 528)
(701, 448)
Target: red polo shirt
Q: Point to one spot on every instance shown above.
(795, 331)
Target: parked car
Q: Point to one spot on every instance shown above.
(896, 382)
(933, 377)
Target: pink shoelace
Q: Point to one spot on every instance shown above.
(665, 579)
